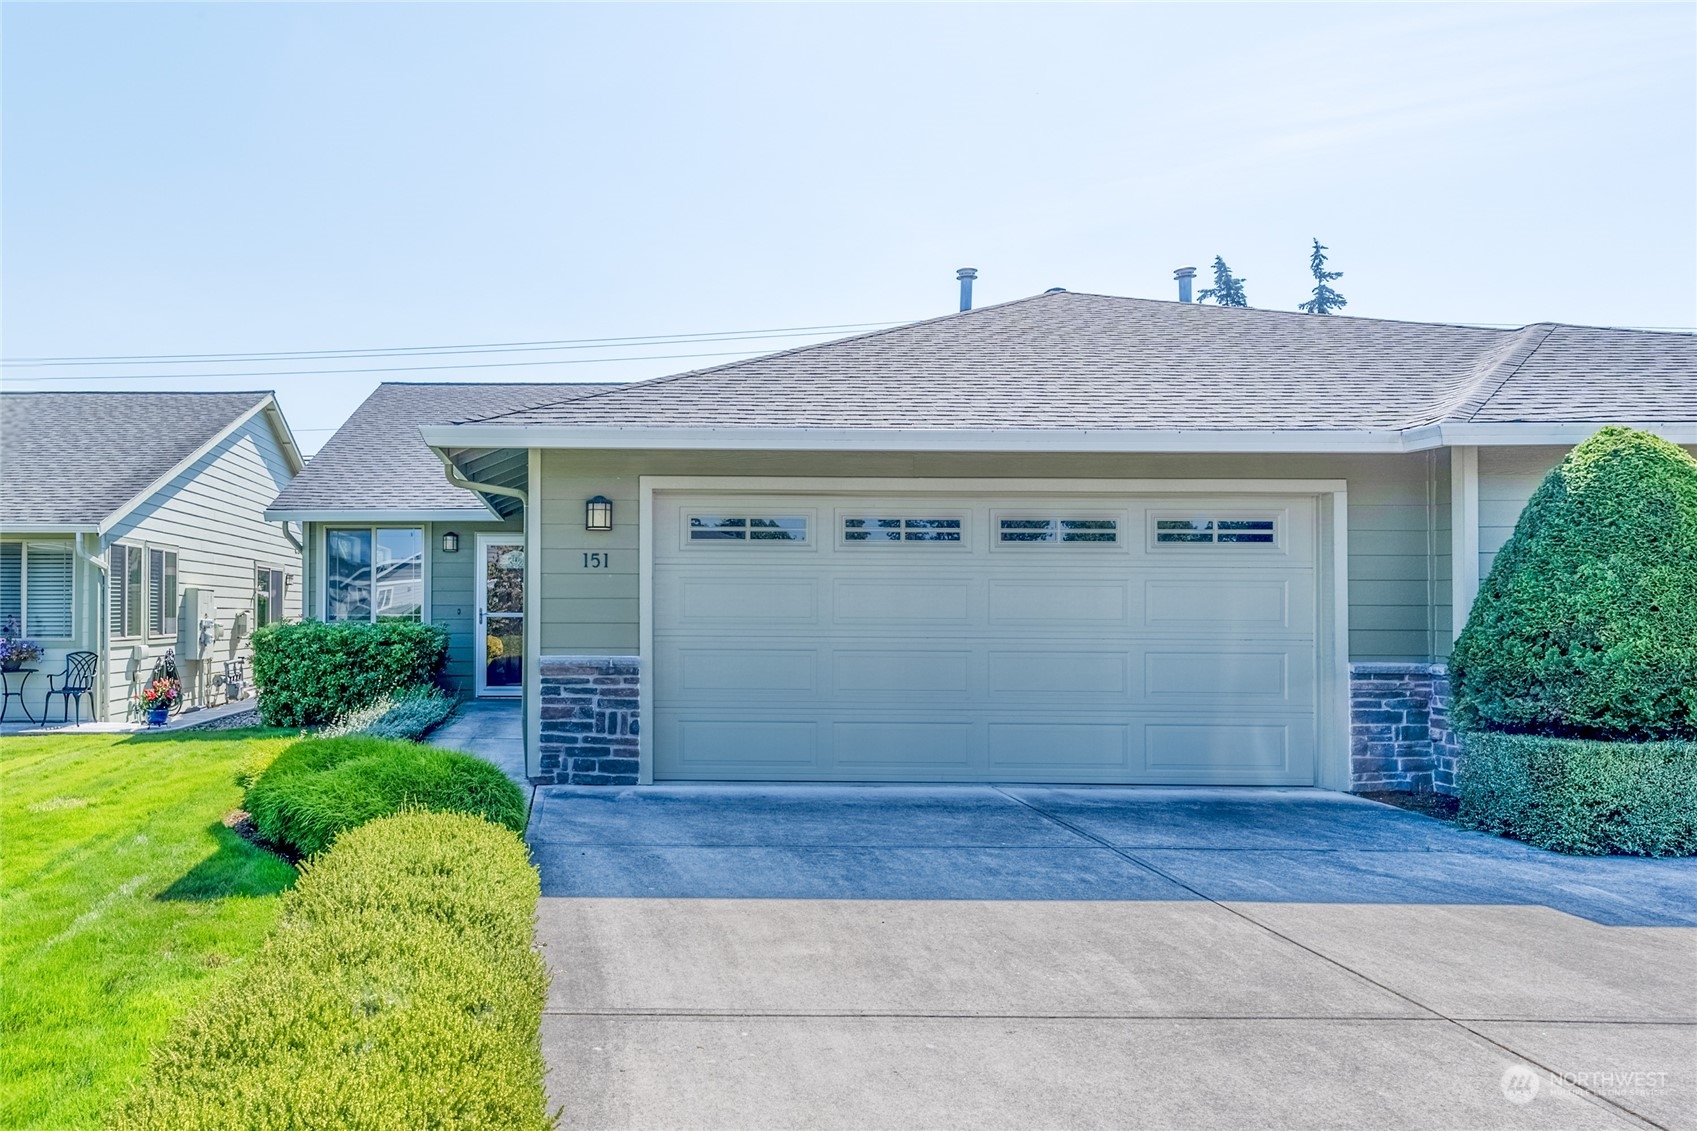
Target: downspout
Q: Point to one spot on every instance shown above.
(461, 481)
(300, 547)
(103, 624)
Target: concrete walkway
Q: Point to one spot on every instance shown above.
(493, 729)
(868, 957)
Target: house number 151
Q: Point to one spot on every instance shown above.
(597, 561)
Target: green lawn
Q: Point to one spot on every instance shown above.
(123, 901)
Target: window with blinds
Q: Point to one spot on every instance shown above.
(124, 584)
(36, 584)
(161, 592)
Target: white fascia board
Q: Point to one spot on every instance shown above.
(1565, 434)
(383, 516)
(24, 530)
(905, 440)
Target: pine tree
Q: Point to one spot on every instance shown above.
(1325, 299)
(1227, 289)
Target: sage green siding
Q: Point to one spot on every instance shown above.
(450, 586)
(1394, 518)
(1507, 479)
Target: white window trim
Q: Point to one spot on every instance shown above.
(147, 633)
(321, 544)
(259, 564)
(23, 587)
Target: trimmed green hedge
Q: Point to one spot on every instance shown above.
(310, 673)
(1587, 624)
(399, 991)
(320, 787)
(1583, 797)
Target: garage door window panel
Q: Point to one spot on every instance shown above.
(1215, 530)
(742, 529)
(873, 529)
(1025, 530)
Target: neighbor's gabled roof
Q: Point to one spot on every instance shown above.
(377, 463)
(80, 460)
(1098, 364)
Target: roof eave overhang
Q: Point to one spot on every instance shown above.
(356, 515)
(1389, 440)
(24, 529)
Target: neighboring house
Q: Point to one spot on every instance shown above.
(388, 536)
(1072, 538)
(118, 511)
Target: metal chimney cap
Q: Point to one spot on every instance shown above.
(1056, 291)
(967, 273)
(1185, 273)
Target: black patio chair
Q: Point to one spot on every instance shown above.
(71, 685)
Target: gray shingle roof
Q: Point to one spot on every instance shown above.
(75, 458)
(377, 461)
(1080, 361)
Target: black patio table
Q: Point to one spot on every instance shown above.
(16, 693)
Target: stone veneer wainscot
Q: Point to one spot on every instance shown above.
(590, 720)
(1399, 732)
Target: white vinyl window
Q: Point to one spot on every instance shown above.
(374, 573)
(161, 593)
(867, 529)
(269, 587)
(36, 580)
(1215, 531)
(124, 585)
(747, 528)
(1056, 531)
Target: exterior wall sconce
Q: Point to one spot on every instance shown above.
(450, 543)
(598, 513)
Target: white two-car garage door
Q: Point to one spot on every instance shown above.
(971, 638)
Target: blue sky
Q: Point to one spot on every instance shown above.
(234, 178)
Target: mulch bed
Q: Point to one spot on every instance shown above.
(1439, 805)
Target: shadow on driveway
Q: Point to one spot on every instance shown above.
(1067, 843)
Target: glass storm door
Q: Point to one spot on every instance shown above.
(500, 615)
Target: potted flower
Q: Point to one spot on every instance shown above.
(15, 651)
(157, 699)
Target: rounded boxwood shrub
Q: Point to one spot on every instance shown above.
(400, 990)
(310, 672)
(320, 787)
(1587, 624)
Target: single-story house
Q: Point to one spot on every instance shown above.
(1070, 538)
(132, 524)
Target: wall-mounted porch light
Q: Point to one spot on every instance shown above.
(450, 543)
(598, 513)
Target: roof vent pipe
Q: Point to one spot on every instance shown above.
(1184, 275)
(966, 275)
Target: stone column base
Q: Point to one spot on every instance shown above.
(1399, 732)
(589, 720)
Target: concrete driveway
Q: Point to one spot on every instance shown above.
(871, 957)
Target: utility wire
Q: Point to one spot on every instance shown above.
(384, 369)
(702, 337)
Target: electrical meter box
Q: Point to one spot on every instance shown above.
(196, 625)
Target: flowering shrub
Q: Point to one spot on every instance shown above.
(15, 651)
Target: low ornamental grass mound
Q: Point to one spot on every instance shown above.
(400, 991)
(410, 714)
(1582, 797)
(311, 673)
(320, 787)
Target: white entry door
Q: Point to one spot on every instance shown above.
(969, 638)
(500, 615)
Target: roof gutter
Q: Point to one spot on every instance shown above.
(461, 481)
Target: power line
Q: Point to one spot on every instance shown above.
(701, 337)
(387, 369)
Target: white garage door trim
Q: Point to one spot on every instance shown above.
(1332, 753)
